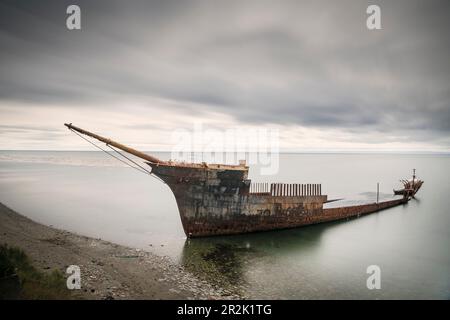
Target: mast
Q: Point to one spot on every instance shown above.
(110, 142)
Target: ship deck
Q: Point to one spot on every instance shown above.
(361, 199)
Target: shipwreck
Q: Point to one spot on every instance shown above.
(219, 199)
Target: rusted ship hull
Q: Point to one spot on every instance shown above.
(282, 219)
(218, 199)
(215, 201)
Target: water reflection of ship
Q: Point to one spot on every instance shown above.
(225, 261)
(220, 263)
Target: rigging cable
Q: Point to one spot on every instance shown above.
(137, 164)
(141, 169)
(131, 160)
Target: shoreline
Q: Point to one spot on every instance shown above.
(108, 270)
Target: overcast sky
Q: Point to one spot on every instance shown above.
(138, 70)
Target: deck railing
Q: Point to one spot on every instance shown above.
(285, 189)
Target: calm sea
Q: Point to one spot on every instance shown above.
(88, 193)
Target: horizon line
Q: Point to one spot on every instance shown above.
(281, 151)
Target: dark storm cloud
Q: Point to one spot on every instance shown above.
(311, 63)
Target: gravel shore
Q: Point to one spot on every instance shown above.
(108, 270)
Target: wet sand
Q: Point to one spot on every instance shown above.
(108, 270)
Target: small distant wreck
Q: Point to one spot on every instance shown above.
(219, 199)
(410, 187)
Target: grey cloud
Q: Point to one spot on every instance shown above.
(31, 133)
(307, 63)
(11, 128)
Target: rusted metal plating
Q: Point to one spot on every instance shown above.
(214, 201)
